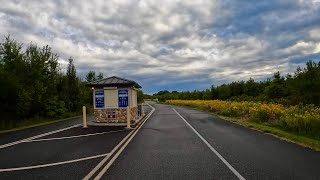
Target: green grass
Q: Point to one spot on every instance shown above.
(274, 131)
(34, 123)
(284, 135)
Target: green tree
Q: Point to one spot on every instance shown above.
(91, 76)
(276, 89)
(251, 88)
(100, 76)
(72, 90)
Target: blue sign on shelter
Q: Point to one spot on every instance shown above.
(99, 99)
(123, 97)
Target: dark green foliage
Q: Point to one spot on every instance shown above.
(302, 87)
(277, 87)
(32, 84)
(71, 87)
(100, 76)
(140, 96)
(91, 76)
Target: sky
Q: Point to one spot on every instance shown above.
(169, 44)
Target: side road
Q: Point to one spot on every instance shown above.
(64, 151)
(25, 133)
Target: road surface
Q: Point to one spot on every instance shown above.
(174, 143)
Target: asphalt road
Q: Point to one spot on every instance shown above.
(60, 150)
(21, 134)
(165, 147)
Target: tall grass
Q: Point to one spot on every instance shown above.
(299, 119)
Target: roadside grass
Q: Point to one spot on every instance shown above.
(274, 131)
(309, 142)
(33, 123)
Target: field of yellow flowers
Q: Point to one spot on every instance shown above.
(301, 119)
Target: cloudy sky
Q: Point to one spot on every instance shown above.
(173, 45)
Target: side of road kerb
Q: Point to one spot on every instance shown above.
(103, 166)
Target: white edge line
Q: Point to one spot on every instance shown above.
(37, 136)
(94, 170)
(235, 172)
(103, 171)
(52, 164)
(77, 136)
(98, 166)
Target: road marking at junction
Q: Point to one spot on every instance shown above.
(37, 136)
(235, 172)
(52, 164)
(93, 171)
(77, 136)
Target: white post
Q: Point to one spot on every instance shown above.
(142, 110)
(128, 117)
(84, 118)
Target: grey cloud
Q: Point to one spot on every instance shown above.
(172, 42)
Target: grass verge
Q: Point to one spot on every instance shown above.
(274, 131)
(287, 136)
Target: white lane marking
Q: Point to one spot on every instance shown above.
(95, 169)
(103, 171)
(35, 137)
(112, 152)
(52, 164)
(235, 172)
(77, 136)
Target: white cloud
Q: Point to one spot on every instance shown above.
(179, 41)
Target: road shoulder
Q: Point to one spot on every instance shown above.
(273, 131)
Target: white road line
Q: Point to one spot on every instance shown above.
(77, 136)
(37, 136)
(235, 172)
(95, 169)
(113, 151)
(103, 171)
(52, 164)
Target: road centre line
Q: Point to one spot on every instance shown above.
(77, 136)
(37, 136)
(93, 171)
(52, 164)
(235, 172)
(103, 171)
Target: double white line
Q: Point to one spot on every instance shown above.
(116, 151)
(35, 137)
(106, 156)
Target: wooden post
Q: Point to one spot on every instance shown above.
(84, 118)
(128, 117)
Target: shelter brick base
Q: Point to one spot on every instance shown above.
(101, 115)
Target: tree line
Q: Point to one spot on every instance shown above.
(303, 86)
(32, 83)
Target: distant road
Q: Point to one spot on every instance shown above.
(167, 148)
(174, 143)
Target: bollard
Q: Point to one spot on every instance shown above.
(84, 114)
(128, 117)
(142, 110)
